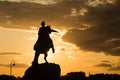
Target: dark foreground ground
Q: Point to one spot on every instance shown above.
(73, 76)
(51, 71)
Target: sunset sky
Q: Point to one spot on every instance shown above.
(88, 38)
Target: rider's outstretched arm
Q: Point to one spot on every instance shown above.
(53, 30)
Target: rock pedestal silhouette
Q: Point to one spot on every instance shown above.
(45, 71)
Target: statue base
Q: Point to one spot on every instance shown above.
(44, 71)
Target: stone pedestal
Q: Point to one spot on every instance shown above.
(45, 71)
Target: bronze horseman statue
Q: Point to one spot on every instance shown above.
(44, 42)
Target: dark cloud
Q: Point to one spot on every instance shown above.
(109, 66)
(105, 61)
(21, 15)
(103, 65)
(10, 53)
(4, 65)
(99, 24)
(116, 68)
(17, 65)
(25, 14)
(103, 35)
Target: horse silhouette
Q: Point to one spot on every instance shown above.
(44, 42)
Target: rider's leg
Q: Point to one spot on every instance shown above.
(45, 57)
(35, 61)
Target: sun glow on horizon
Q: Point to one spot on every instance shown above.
(66, 54)
(18, 38)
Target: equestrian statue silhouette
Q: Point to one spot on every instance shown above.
(43, 43)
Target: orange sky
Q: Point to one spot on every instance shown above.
(79, 43)
(18, 45)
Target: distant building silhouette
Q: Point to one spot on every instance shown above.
(74, 76)
(81, 76)
(52, 72)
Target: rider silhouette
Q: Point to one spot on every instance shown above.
(44, 42)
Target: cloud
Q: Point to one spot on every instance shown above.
(22, 15)
(45, 2)
(10, 53)
(103, 33)
(91, 28)
(25, 14)
(103, 65)
(110, 66)
(105, 61)
(4, 65)
(17, 65)
(114, 68)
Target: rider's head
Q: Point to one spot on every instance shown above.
(43, 23)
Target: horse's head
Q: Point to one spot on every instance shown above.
(48, 29)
